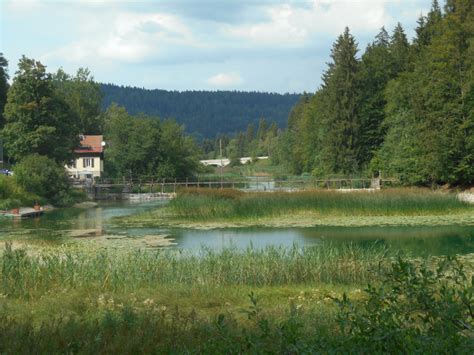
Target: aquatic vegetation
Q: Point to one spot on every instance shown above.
(225, 203)
(213, 208)
(29, 275)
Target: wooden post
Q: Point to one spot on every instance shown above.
(163, 187)
(198, 182)
(174, 186)
(186, 183)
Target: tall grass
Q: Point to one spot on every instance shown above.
(24, 275)
(227, 203)
(413, 309)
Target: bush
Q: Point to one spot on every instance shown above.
(416, 309)
(39, 175)
(12, 195)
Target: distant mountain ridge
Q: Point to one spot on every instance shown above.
(205, 113)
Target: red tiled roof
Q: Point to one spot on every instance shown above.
(90, 144)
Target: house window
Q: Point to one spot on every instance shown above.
(88, 162)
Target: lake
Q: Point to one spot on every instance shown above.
(55, 225)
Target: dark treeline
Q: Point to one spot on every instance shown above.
(403, 108)
(206, 113)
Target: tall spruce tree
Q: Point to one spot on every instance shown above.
(400, 49)
(340, 146)
(428, 26)
(376, 69)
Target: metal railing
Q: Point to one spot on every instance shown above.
(255, 183)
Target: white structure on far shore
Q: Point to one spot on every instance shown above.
(225, 161)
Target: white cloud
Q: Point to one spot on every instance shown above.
(225, 80)
(129, 37)
(21, 5)
(293, 25)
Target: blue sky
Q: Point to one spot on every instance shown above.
(277, 46)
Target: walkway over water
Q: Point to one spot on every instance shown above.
(253, 183)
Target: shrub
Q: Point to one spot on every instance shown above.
(415, 309)
(12, 195)
(39, 175)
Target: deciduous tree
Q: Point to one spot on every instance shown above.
(38, 120)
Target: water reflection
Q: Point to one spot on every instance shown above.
(417, 240)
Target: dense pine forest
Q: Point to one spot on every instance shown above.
(206, 113)
(403, 108)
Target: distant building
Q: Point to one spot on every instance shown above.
(89, 161)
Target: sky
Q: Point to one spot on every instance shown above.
(262, 45)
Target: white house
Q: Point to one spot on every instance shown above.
(89, 161)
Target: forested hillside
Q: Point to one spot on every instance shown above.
(204, 112)
(405, 108)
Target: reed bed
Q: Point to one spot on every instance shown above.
(205, 204)
(24, 275)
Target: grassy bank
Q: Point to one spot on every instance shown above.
(272, 300)
(207, 208)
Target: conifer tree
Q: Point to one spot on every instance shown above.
(3, 86)
(376, 69)
(340, 148)
(400, 49)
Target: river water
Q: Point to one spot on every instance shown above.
(417, 241)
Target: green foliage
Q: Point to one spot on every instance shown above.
(45, 178)
(377, 68)
(83, 95)
(244, 144)
(143, 146)
(415, 309)
(340, 146)
(3, 86)
(404, 109)
(38, 120)
(430, 121)
(13, 196)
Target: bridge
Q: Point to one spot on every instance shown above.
(226, 161)
(166, 188)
